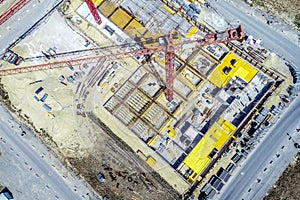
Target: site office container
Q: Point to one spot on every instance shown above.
(19, 60)
(12, 58)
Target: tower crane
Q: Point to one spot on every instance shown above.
(169, 48)
(11, 11)
(94, 11)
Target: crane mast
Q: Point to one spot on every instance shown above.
(169, 49)
(169, 57)
(94, 11)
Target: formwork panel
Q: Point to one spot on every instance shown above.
(107, 8)
(135, 28)
(215, 138)
(240, 68)
(120, 18)
(97, 2)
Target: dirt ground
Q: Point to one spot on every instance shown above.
(84, 145)
(287, 187)
(127, 177)
(287, 10)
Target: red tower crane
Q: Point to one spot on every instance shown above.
(94, 11)
(11, 11)
(169, 49)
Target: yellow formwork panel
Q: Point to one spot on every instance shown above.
(226, 125)
(107, 8)
(169, 10)
(153, 140)
(200, 1)
(240, 69)
(120, 18)
(151, 161)
(192, 31)
(215, 137)
(97, 2)
(135, 28)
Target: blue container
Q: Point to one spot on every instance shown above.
(48, 108)
(36, 98)
(39, 90)
(44, 97)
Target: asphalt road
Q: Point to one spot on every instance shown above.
(271, 39)
(23, 20)
(31, 156)
(239, 185)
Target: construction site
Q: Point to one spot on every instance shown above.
(132, 89)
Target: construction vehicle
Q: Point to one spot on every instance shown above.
(138, 50)
(12, 58)
(94, 11)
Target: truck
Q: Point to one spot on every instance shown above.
(12, 58)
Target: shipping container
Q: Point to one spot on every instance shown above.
(48, 108)
(44, 97)
(39, 90)
(36, 98)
